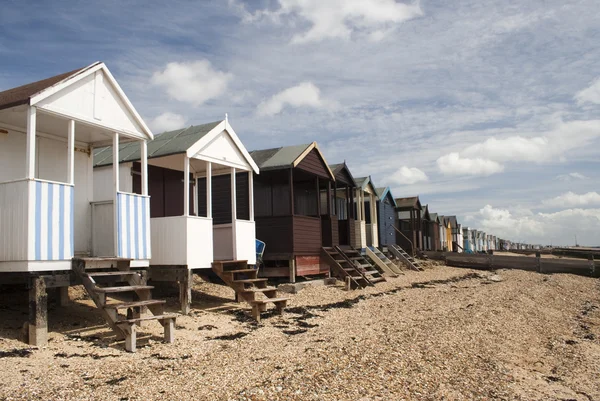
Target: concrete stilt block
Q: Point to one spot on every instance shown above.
(169, 327)
(131, 339)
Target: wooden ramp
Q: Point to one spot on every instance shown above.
(248, 287)
(108, 282)
(383, 262)
(408, 260)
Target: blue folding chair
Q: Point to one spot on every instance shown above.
(260, 250)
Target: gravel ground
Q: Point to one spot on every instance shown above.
(444, 333)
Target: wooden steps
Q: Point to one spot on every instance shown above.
(129, 288)
(248, 287)
(146, 318)
(384, 263)
(111, 273)
(403, 256)
(347, 264)
(130, 281)
(135, 304)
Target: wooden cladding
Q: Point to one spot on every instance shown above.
(276, 233)
(287, 236)
(221, 197)
(307, 235)
(330, 230)
(313, 163)
(165, 187)
(387, 221)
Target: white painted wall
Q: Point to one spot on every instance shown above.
(222, 242)
(182, 240)
(103, 232)
(13, 221)
(12, 156)
(93, 99)
(51, 164)
(245, 241)
(103, 181)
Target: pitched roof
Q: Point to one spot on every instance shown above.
(22, 94)
(407, 202)
(285, 157)
(278, 158)
(363, 182)
(383, 192)
(338, 168)
(167, 143)
(434, 217)
(453, 222)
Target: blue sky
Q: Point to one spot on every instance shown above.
(487, 109)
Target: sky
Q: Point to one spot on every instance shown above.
(486, 109)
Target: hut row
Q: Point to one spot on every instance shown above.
(88, 193)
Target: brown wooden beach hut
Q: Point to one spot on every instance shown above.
(289, 210)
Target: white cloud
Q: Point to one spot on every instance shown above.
(167, 121)
(591, 94)
(454, 164)
(305, 94)
(571, 199)
(408, 176)
(571, 177)
(502, 223)
(192, 82)
(342, 18)
(559, 227)
(486, 158)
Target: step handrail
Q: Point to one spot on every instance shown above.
(456, 243)
(412, 247)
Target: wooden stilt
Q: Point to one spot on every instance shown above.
(292, 270)
(63, 294)
(38, 312)
(185, 292)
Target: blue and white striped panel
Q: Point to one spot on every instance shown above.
(133, 226)
(53, 221)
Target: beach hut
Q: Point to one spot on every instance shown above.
(426, 228)
(343, 207)
(366, 229)
(386, 216)
(48, 130)
(288, 209)
(200, 180)
(442, 231)
(448, 234)
(435, 231)
(409, 213)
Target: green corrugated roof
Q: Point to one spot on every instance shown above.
(277, 158)
(167, 143)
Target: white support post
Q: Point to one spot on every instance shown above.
(186, 186)
(362, 206)
(233, 214)
(251, 194)
(144, 167)
(373, 209)
(116, 190)
(196, 207)
(209, 190)
(71, 153)
(30, 157)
